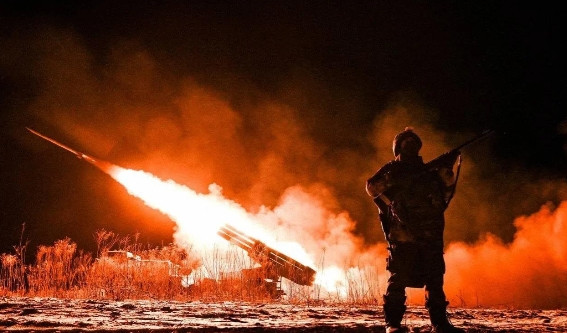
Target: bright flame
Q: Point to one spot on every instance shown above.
(332, 279)
(199, 216)
(204, 214)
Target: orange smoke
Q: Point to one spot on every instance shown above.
(531, 272)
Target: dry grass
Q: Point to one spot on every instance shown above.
(131, 271)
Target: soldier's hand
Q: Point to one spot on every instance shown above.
(376, 187)
(447, 176)
(449, 158)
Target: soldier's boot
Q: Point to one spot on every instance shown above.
(393, 329)
(439, 320)
(394, 309)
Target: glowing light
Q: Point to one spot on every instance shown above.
(201, 214)
(332, 279)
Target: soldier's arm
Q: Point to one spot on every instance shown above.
(447, 176)
(375, 187)
(379, 182)
(445, 165)
(448, 179)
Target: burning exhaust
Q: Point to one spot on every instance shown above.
(204, 216)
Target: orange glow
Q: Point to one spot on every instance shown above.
(332, 279)
(200, 214)
(528, 273)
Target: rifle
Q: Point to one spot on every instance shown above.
(447, 159)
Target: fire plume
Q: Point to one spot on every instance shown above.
(197, 215)
(204, 214)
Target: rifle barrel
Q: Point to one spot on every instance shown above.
(479, 137)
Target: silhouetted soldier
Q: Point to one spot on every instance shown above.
(412, 199)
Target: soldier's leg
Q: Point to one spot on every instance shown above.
(438, 314)
(395, 297)
(394, 301)
(435, 300)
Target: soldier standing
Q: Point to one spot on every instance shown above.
(412, 197)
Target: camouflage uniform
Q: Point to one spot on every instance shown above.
(412, 206)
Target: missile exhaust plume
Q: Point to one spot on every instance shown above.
(201, 215)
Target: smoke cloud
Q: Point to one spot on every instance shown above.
(305, 184)
(527, 273)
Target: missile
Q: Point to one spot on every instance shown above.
(99, 164)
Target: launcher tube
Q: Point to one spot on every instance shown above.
(258, 251)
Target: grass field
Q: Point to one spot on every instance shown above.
(123, 269)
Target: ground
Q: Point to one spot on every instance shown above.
(60, 315)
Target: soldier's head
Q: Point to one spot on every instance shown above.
(406, 143)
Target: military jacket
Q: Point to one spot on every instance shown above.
(413, 204)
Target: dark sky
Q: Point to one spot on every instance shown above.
(96, 75)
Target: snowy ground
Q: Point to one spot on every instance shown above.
(58, 315)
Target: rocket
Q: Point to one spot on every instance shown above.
(98, 163)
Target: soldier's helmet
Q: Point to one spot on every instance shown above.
(406, 133)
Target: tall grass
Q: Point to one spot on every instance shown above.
(125, 269)
(13, 272)
(59, 270)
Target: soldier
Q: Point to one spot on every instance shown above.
(412, 197)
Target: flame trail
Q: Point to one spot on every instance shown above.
(199, 215)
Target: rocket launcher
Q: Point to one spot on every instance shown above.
(273, 261)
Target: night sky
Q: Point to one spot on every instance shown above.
(262, 96)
